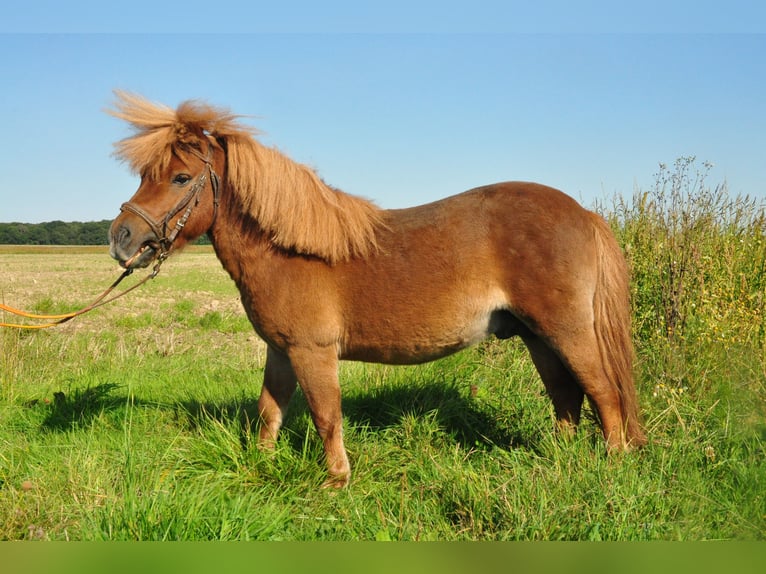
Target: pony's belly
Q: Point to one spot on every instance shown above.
(424, 344)
(402, 354)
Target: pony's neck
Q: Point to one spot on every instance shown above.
(235, 236)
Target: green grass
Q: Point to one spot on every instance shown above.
(163, 451)
(134, 422)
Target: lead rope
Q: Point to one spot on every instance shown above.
(102, 299)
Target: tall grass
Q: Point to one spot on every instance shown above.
(698, 260)
(135, 423)
(698, 257)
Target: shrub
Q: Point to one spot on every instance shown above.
(698, 262)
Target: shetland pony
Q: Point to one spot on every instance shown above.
(326, 276)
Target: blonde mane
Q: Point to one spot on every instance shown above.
(297, 210)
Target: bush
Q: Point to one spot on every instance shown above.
(698, 255)
(698, 259)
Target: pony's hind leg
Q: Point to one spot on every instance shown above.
(580, 353)
(279, 383)
(562, 387)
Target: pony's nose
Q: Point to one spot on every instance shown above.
(119, 238)
(120, 235)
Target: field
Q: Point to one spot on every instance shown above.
(134, 422)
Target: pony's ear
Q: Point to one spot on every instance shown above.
(186, 136)
(158, 128)
(221, 141)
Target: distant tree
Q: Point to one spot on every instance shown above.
(62, 233)
(55, 233)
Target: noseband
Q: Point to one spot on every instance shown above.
(189, 201)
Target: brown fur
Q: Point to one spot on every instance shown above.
(325, 276)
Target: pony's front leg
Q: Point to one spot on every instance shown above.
(317, 371)
(279, 382)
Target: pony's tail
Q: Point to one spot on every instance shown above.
(611, 306)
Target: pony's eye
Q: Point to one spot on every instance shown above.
(182, 179)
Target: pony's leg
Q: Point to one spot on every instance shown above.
(317, 371)
(563, 389)
(279, 384)
(581, 354)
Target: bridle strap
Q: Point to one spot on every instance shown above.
(215, 181)
(188, 201)
(136, 210)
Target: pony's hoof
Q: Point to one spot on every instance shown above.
(336, 482)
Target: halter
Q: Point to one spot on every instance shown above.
(189, 201)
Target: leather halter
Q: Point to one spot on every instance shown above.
(189, 201)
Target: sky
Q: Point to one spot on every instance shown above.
(399, 102)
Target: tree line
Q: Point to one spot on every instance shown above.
(60, 233)
(55, 233)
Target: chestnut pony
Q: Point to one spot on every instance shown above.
(325, 276)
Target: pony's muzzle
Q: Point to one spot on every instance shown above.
(131, 250)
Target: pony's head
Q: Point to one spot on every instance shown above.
(178, 158)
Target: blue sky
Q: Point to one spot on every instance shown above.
(391, 101)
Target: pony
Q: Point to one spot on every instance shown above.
(326, 276)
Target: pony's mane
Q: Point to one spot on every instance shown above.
(297, 210)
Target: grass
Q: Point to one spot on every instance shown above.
(133, 422)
